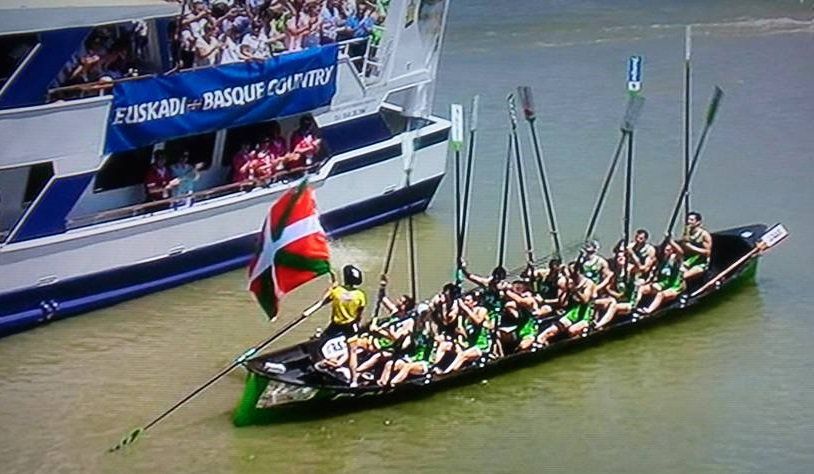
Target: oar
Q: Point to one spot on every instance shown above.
(133, 435)
(521, 180)
(386, 268)
(636, 104)
(634, 109)
(687, 89)
(711, 112)
(473, 127)
(457, 141)
(772, 237)
(527, 101)
(504, 206)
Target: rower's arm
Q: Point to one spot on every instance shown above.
(527, 301)
(476, 279)
(388, 304)
(607, 274)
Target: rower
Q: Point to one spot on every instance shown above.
(581, 291)
(549, 286)
(347, 304)
(492, 299)
(644, 253)
(416, 360)
(384, 335)
(522, 306)
(669, 282)
(478, 331)
(448, 326)
(697, 245)
(594, 266)
(621, 292)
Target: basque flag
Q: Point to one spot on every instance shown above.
(293, 248)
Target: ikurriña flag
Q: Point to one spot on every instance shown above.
(293, 248)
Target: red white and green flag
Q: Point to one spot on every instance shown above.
(293, 248)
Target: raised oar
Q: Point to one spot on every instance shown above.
(634, 109)
(521, 180)
(473, 127)
(504, 207)
(133, 435)
(711, 112)
(527, 101)
(687, 89)
(386, 267)
(457, 115)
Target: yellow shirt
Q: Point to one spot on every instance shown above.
(345, 304)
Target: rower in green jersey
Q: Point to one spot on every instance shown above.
(669, 281)
(594, 266)
(416, 360)
(521, 300)
(621, 293)
(643, 254)
(697, 246)
(580, 312)
(478, 329)
(549, 288)
(383, 337)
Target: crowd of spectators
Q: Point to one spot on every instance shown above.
(226, 31)
(255, 163)
(109, 53)
(213, 32)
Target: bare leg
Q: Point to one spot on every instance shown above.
(657, 299)
(577, 328)
(463, 357)
(388, 369)
(352, 361)
(609, 313)
(370, 363)
(693, 272)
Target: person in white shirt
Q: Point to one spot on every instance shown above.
(207, 48)
(230, 49)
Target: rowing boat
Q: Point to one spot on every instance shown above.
(285, 383)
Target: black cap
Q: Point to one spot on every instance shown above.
(351, 275)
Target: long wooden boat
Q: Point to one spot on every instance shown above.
(284, 383)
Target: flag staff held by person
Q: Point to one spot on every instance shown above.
(293, 250)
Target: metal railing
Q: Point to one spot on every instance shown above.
(368, 68)
(188, 200)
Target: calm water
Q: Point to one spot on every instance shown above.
(728, 389)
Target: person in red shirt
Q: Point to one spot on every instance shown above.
(159, 180)
(304, 144)
(239, 170)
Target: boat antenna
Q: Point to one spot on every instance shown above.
(411, 249)
(504, 206)
(457, 115)
(521, 181)
(473, 127)
(711, 112)
(133, 435)
(687, 124)
(527, 102)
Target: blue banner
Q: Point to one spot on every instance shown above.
(188, 103)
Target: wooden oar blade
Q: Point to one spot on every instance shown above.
(713, 105)
(527, 102)
(473, 118)
(457, 115)
(127, 440)
(774, 236)
(634, 110)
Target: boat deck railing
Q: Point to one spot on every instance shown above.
(188, 200)
(363, 57)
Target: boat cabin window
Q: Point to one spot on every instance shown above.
(19, 187)
(123, 169)
(13, 51)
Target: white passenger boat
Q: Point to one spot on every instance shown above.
(76, 230)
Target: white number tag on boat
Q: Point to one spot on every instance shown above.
(774, 235)
(334, 348)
